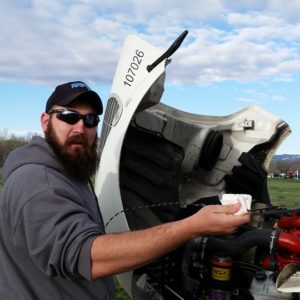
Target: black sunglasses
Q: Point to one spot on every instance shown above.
(72, 117)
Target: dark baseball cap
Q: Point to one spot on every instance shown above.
(66, 93)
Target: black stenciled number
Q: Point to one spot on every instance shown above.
(133, 67)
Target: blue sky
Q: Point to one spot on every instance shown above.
(237, 53)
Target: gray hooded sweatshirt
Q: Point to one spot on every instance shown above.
(48, 221)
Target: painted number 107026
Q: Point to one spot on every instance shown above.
(134, 67)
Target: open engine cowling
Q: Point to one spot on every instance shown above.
(160, 164)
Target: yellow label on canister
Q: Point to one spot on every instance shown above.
(221, 274)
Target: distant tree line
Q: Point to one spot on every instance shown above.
(287, 167)
(9, 142)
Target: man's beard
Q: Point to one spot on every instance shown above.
(80, 163)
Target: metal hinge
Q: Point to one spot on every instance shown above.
(247, 124)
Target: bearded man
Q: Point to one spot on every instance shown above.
(52, 239)
(49, 214)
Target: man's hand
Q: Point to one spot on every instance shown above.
(216, 219)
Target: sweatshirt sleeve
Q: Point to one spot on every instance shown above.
(57, 233)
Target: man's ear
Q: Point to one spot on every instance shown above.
(44, 121)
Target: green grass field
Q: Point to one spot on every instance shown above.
(283, 192)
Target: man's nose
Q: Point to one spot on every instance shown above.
(79, 126)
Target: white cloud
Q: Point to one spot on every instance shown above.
(288, 9)
(278, 98)
(49, 41)
(253, 19)
(252, 96)
(249, 100)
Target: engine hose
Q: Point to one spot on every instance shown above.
(267, 238)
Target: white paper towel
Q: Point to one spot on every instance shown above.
(244, 199)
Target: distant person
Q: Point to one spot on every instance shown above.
(52, 239)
